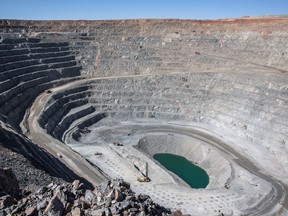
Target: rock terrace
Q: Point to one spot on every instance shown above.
(215, 92)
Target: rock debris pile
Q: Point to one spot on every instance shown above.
(113, 197)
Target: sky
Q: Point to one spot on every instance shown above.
(136, 9)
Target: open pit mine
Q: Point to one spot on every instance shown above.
(98, 100)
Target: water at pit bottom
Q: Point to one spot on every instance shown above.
(193, 175)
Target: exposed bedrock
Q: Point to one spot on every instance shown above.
(238, 107)
(216, 165)
(27, 67)
(40, 158)
(123, 47)
(234, 177)
(228, 77)
(242, 105)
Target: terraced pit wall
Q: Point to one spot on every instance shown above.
(123, 47)
(228, 74)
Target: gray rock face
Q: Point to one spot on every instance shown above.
(40, 66)
(241, 92)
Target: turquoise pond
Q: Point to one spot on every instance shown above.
(193, 175)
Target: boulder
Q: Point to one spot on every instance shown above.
(6, 201)
(104, 187)
(108, 212)
(41, 190)
(55, 207)
(119, 196)
(124, 184)
(76, 184)
(98, 212)
(42, 204)
(30, 211)
(89, 196)
(77, 212)
(8, 181)
(111, 194)
(107, 202)
(126, 204)
(68, 208)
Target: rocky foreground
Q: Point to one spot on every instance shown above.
(113, 197)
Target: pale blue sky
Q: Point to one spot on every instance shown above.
(131, 9)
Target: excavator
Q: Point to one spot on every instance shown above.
(145, 177)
